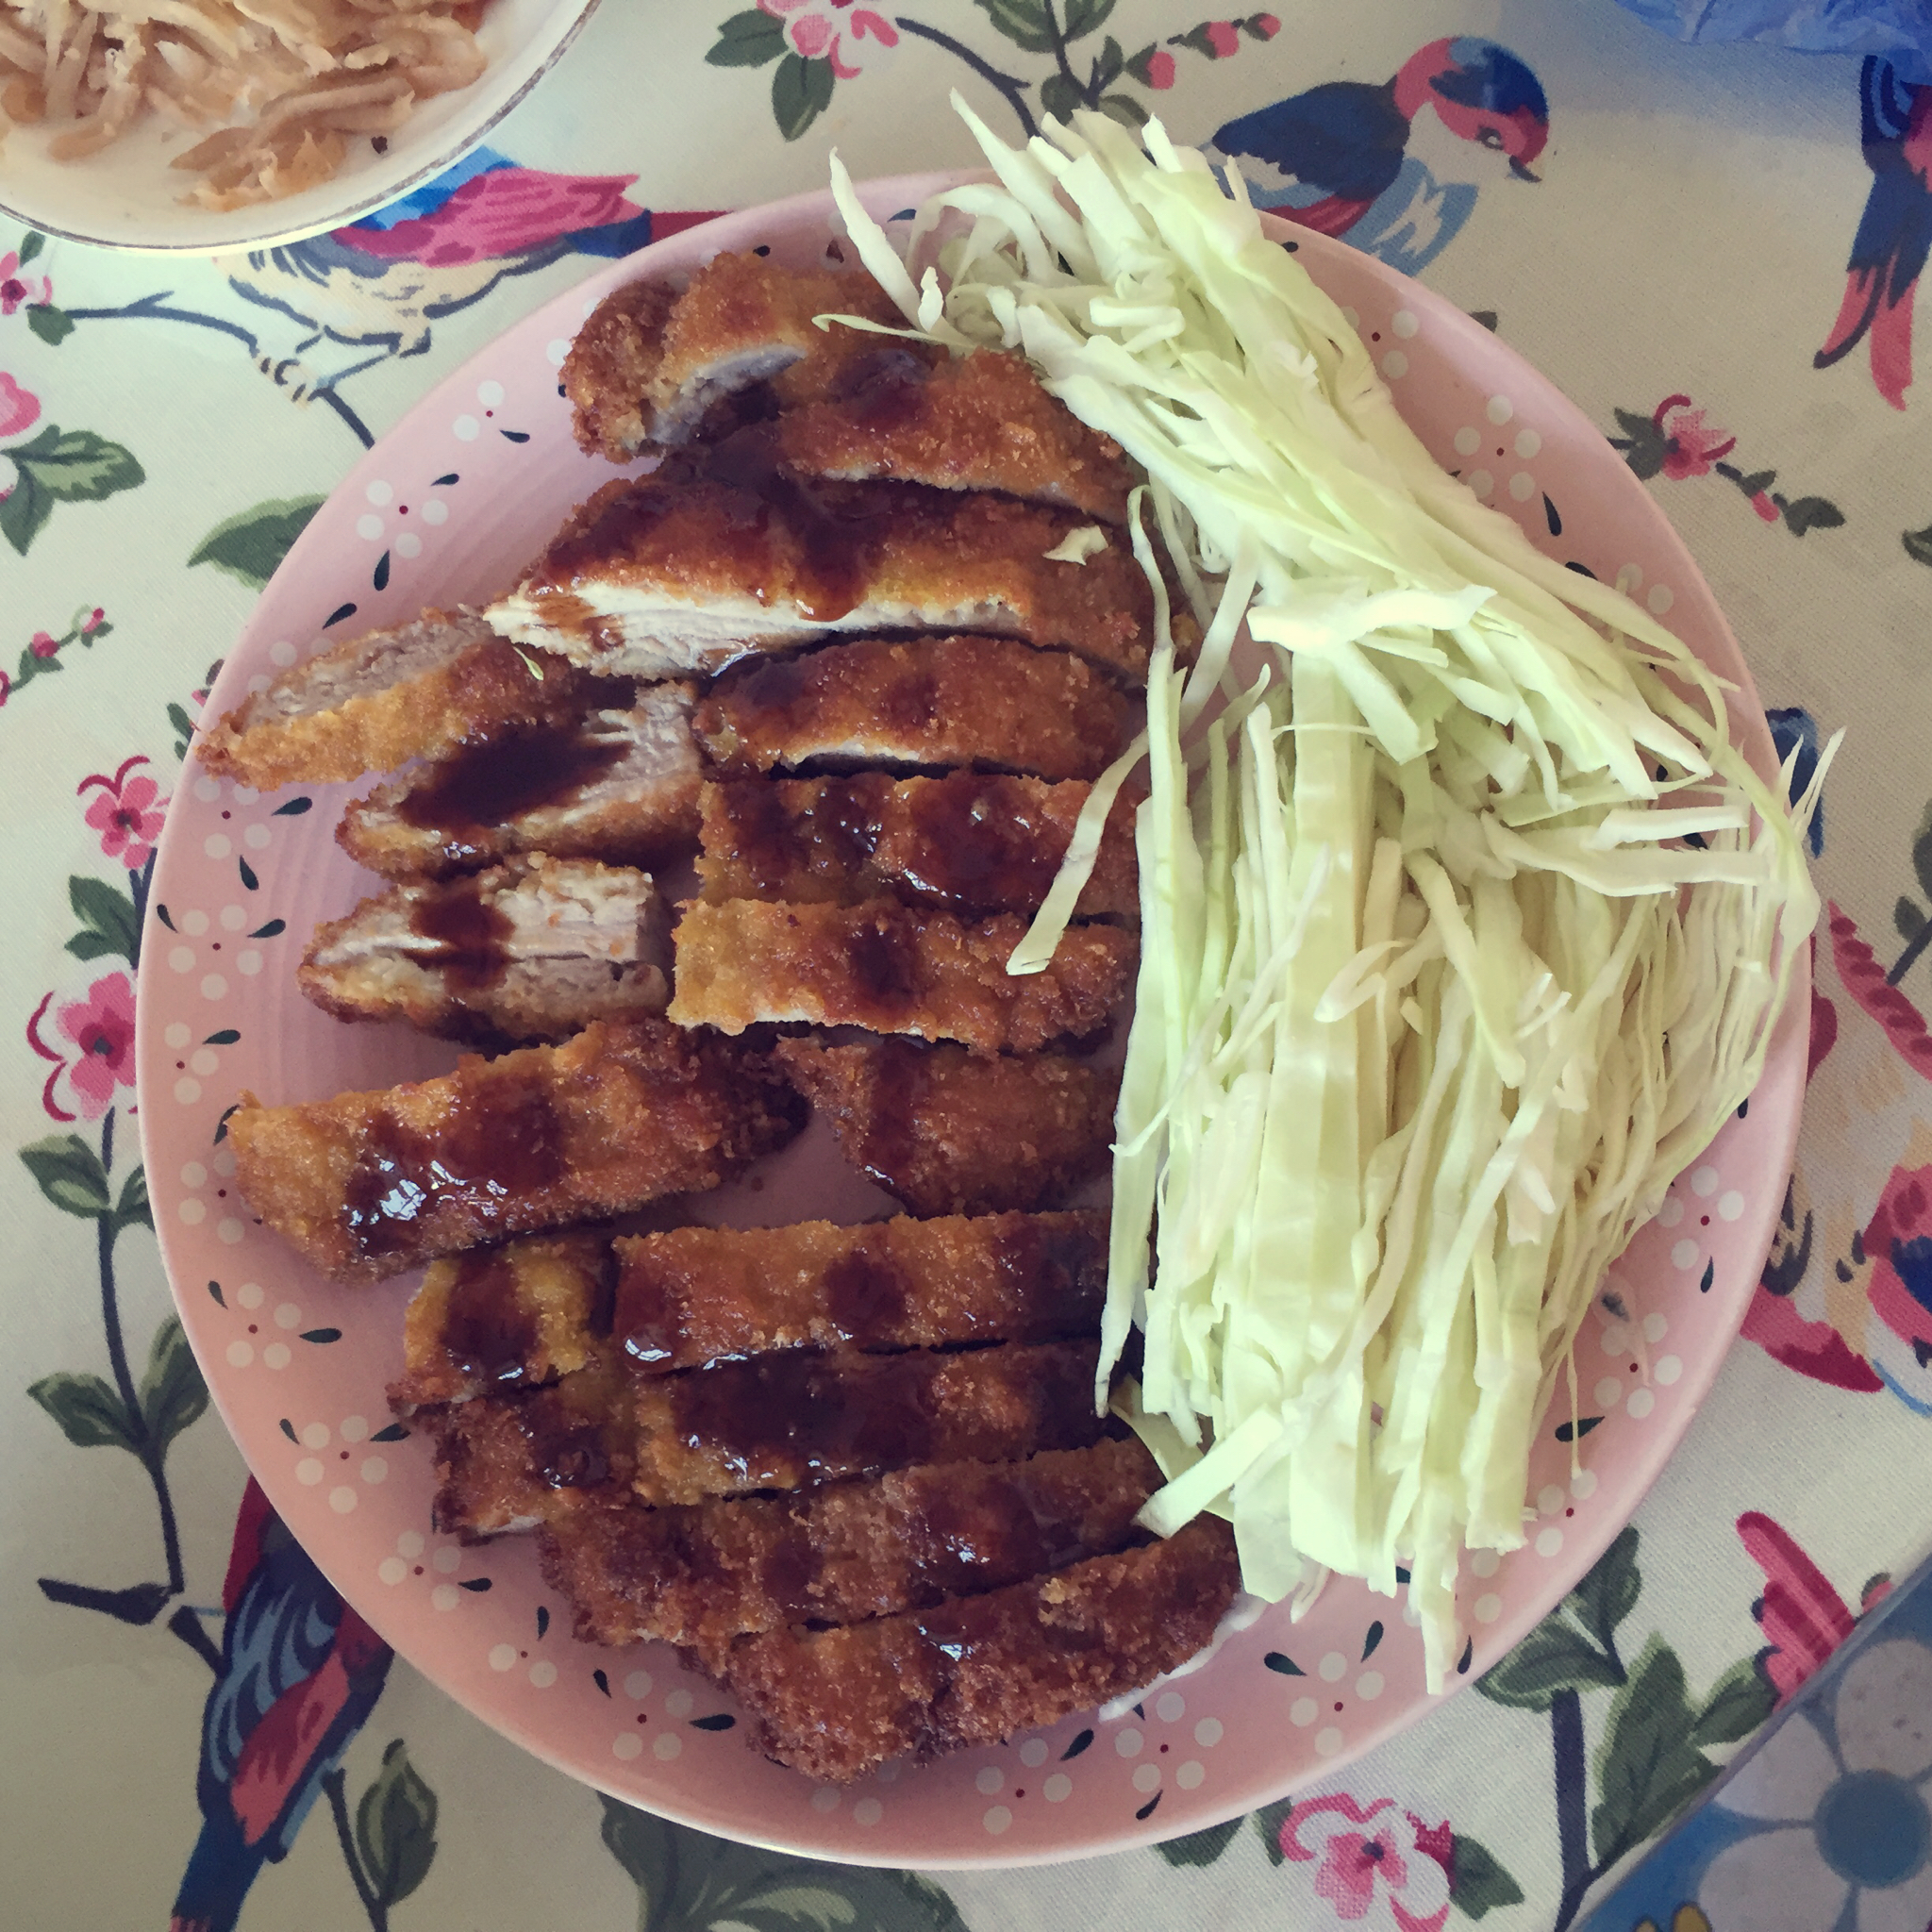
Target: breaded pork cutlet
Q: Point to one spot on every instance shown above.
(695, 1295)
(619, 785)
(515, 1458)
(654, 366)
(983, 702)
(371, 703)
(701, 1575)
(804, 1416)
(971, 841)
(977, 1670)
(533, 949)
(672, 574)
(950, 1132)
(976, 421)
(520, 1316)
(367, 1185)
(894, 969)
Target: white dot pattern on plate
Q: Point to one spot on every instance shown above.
(1327, 1742)
(542, 1674)
(1302, 1712)
(1403, 323)
(436, 510)
(408, 545)
(1487, 1609)
(1684, 1254)
(1033, 1752)
(447, 1558)
(342, 1499)
(826, 1799)
(1640, 1403)
(1369, 1686)
(1058, 1789)
(1608, 1392)
(1481, 483)
(1522, 486)
(1671, 1213)
(370, 528)
(1333, 1667)
(1128, 1743)
(445, 1596)
(991, 1779)
(1190, 1774)
(1170, 1706)
(178, 1035)
(1615, 1339)
(1500, 410)
(637, 1683)
(626, 1744)
(1467, 441)
(1146, 1778)
(678, 1704)
(1529, 445)
(1549, 1499)
(392, 1570)
(1655, 1327)
(1667, 1371)
(1395, 365)
(869, 1811)
(241, 1353)
(186, 1091)
(1583, 1485)
(1484, 1562)
(466, 430)
(192, 1213)
(490, 394)
(503, 1656)
(277, 1354)
(1730, 1206)
(1549, 1542)
(996, 1819)
(1209, 1733)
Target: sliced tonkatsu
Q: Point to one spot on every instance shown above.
(615, 783)
(533, 949)
(373, 701)
(676, 572)
(971, 841)
(894, 969)
(804, 1416)
(651, 365)
(695, 1295)
(835, 1703)
(368, 1184)
(702, 1574)
(950, 1132)
(983, 702)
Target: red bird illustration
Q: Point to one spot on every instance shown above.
(300, 1673)
(1895, 233)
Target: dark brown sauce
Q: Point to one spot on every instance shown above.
(1054, 1271)
(622, 526)
(493, 780)
(777, 1413)
(882, 961)
(910, 704)
(832, 835)
(902, 1079)
(500, 1145)
(886, 391)
(490, 1331)
(764, 834)
(567, 1448)
(788, 1571)
(651, 1309)
(980, 843)
(762, 688)
(834, 550)
(867, 1298)
(471, 935)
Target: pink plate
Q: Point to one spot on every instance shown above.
(444, 508)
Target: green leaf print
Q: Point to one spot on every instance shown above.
(1552, 1657)
(1648, 1768)
(1023, 22)
(52, 326)
(396, 1828)
(74, 466)
(173, 1396)
(69, 1174)
(801, 92)
(1199, 1847)
(132, 1210)
(1608, 1592)
(688, 1882)
(90, 1413)
(748, 40)
(108, 921)
(250, 544)
(1479, 1882)
(1740, 1701)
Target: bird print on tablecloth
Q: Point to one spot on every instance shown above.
(1335, 158)
(1895, 233)
(342, 302)
(300, 1673)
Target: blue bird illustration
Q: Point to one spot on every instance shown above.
(1335, 158)
(1894, 232)
(300, 1673)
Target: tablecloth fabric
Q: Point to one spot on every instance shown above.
(1679, 267)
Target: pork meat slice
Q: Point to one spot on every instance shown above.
(533, 949)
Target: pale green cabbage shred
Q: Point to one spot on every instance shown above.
(1434, 1000)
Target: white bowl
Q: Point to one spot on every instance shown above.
(128, 196)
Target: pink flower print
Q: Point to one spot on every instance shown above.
(42, 645)
(1690, 449)
(1264, 26)
(20, 409)
(1380, 1867)
(16, 287)
(99, 1030)
(1160, 69)
(93, 622)
(1221, 36)
(127, 814)
(6, 687)
(821, 29)
(1764, 507)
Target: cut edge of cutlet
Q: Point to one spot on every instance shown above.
(837, 1703)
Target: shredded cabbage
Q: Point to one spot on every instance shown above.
(1465, 926)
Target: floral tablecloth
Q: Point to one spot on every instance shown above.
(1714, 251)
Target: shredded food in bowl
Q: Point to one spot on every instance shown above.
(277, 87)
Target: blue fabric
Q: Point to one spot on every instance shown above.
(1899, 29)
